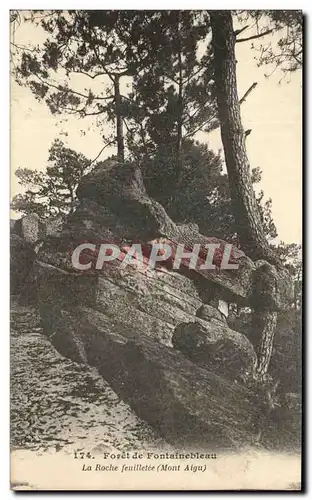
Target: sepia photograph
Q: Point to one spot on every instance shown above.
(156, 250)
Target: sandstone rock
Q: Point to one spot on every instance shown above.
(207, 312)
(152, 301)
(120, 189)
(272, 287)
(22, 257)
(188, 405)
(29, 227)
(121, 320)
(28, 295)
(223, 307)
(213, 345)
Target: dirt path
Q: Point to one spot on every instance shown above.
(57, 404)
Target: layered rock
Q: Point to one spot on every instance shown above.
(212, 344)
(123, 320)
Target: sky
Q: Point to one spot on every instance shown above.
(273, 111)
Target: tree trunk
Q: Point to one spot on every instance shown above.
(263, 331)
(180, 109)
(248, 224)
(119, 127)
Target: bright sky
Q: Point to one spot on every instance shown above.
(272, 111)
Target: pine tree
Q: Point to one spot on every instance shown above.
(51, 192)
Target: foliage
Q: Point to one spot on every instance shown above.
(203, 196)
(174, 93)
(291, 257)
(164, 59)
(281, 38)
(51, 192)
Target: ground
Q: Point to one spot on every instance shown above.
(57, 404)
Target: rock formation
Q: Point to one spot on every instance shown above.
(22, 257)
(30, 228)
(158, 336)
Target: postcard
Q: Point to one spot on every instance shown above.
(156, 267)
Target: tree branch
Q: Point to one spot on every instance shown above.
(253, 86)
(93, 113)
(67, 89)
(191, 117)
(87, 74)
(22, 47)
(197, 129)
(238, 32)
(101, 63)
(296, 57)
(210, 120)
(201, 66)
(254, 37)
(99, 154)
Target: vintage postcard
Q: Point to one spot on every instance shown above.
(156, 270)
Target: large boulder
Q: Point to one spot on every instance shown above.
(30, 228)
(152, 301)
(188, 405)
(122, 322)
(211, 344)
(119, 192)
